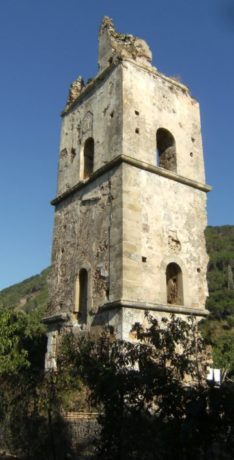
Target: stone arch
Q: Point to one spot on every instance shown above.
(88, 155)
(166, 150)
(82, 296)
(82, 293)
(174, 281)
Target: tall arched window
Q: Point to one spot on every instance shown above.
(83, 296)
(166, 149)
(174, 284)
(88, 157)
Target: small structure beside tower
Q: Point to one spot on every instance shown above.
(130, 210)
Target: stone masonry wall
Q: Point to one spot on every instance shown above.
(133, 215)
(152, 101)
(163, 222)
(87, 234)
(96, 114)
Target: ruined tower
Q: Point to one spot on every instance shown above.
(130, 210)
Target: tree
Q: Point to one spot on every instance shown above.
(31, 400)
(13, 356)
(152, 394)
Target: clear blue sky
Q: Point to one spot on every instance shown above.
(44, 45)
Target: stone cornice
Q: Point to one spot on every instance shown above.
(165, 173)
(137, 164)
(121, 303)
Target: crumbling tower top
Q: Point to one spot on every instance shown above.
(114, 46)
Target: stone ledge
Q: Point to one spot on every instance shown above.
(121, 303)
(59, 317)
(137, 164)
(165, 173)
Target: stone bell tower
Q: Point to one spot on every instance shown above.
(130, 210)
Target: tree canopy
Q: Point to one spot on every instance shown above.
(152, 394)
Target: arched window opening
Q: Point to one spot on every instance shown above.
(174, 284)
(88, 157)
(83, 296)
(166, 149)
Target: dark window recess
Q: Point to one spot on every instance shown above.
(83, 296)
(88, 157)
(174, 284)
(166, 149)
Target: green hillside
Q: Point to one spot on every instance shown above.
(218, 329)
(27, 295)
